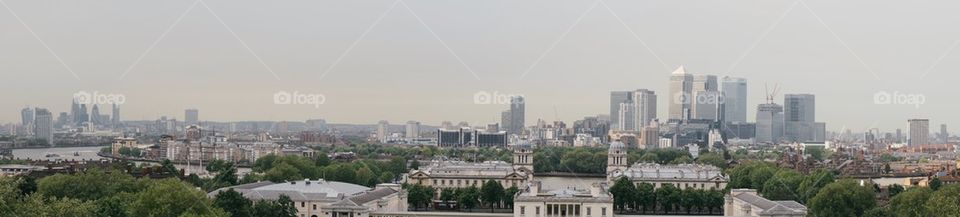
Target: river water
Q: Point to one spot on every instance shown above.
(90, 153)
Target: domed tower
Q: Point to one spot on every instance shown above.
(523, 158)
(616, 160)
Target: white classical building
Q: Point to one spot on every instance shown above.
(746, 203)
(320, 198)
(699, 176)
(460, 174)
(533, 201)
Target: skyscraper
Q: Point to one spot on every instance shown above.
(82, 116)
(413, 129)
(706, 105)
(681, 85)
(627, 117)
(26, 116)
(617, 98)
(115, 117)
(95, 115)
(799, 117)
(646, 107)
(43, 125)
(735, 99)
(769, 123)
(944, 135)
(919, 131)
(383, 130)
(191, 116)
(517, 114)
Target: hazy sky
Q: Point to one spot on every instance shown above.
(842, 51)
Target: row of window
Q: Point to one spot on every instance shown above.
(563, 210)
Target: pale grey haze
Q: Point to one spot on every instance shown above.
(842, 51)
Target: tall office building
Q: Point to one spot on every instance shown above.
(734, 99)
(706, 105)
(626, 118)
(95, 115)
(799, 112)
(899, 136)
(944, 135)
(383, 130)
(769, 127)
(82, 116)
(26, 116)
(919, 131)
(191, 116)
(413, 129)
(681, 85)
(617, 98)
(704, 83)
(43, 125)
(517, 115)
(115, 117)
(646, 107)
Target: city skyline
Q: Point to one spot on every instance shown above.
(806, 48)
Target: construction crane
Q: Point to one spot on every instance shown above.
(770, 95)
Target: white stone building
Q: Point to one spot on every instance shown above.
(536, 202)
(320, 198)
(746, 203)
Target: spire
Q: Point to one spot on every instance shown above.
(680, 70)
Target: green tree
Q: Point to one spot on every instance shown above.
(282, 207)
(322, 160)
(842, 198)
(813, 182)
(234, 203)
(649, 158)
(365, 177)
(645, 197)
(895, 189)
(282, 172)
(467, 197)
(783, 185)
(667, 196)
(170, 198)
(114, 206)
(90, 185)
(38, 205)
(491, 193)
(690, 198)
(712, 158)
(945, 202)
(623, 192)
(911, 202)
(508, 196)
(935, 183)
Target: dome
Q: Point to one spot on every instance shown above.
(617, 145)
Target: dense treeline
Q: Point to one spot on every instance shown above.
(114, 193)
(365, 172)
(643, 198)
(935, 199)
(777, 183)
(594, 160)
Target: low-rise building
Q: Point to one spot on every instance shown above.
(533, 201)
(683, 176)
(316, 198)
(747, 203)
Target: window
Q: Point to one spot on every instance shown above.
(314, 206)
(303, 204)
(603, 211)
(588, 210)
(523, 210)
(537, 210)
